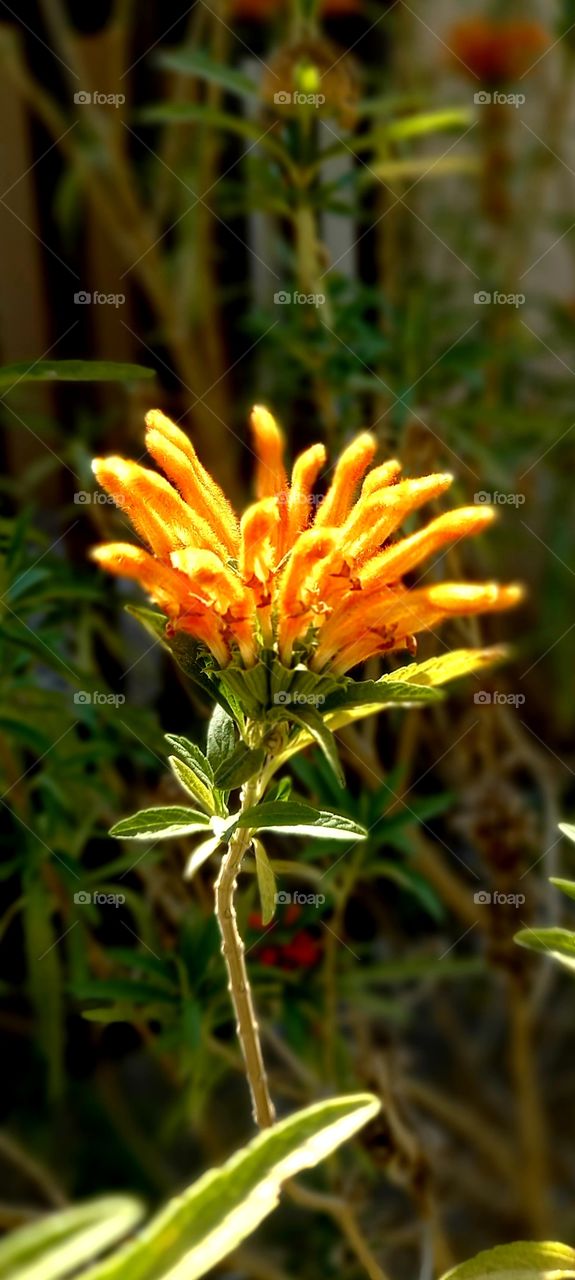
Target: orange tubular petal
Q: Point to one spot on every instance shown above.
(301, 506)
(259, 532)
(166, 586)
(208, 628)
(349, 470)
(211, 580)
(375, 518)
(175, 454)
(156, 511)
(271, 478)
(380, 477)
(384, 621)
(298, 591)
(405, 555)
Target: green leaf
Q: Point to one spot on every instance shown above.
(290, 817)
(128, 989)
(524, 1260)
(199, 1228)
(239, 767)
(556, 942)
(381, 693)
(566, 886)
(222, 737)
(424, 122)
(199, 113)
(568, 830)
(160, 823)
(311, 720)
(193, 757)
(59, 1243)
(449, 666)
(193, 783)
(72, 371)
(195, 62)
(201, 855)
(266, 882)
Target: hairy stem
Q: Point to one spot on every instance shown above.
(233, 953)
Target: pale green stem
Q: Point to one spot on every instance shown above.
(233, 953)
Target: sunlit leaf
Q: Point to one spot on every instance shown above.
(200, 1227)
(525, 1260)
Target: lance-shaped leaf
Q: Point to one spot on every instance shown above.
(311, 720)
(524, 1260)
(196, 62)
(193, 784)
(160, 823)
(566, 886)
(201, 855)
(568, 830)
(266, 882)
(56, 1245)
(555, 942)
(72, 371)
(290, 817)
(199, 1228)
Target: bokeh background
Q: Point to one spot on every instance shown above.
(396, 253)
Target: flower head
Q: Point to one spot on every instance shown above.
(319, 581)
(496, 52)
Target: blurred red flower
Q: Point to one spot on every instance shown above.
(496, 52)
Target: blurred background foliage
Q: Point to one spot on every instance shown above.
(187, 193)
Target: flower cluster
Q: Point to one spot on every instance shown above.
(318, 580)
(496, 52)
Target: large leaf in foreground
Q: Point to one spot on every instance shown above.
(199, 1228)
(524, 1260)
(59, 1243)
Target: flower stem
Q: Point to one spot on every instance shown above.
(233, 953)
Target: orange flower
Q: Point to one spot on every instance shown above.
(496, 52)
(317, 581)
